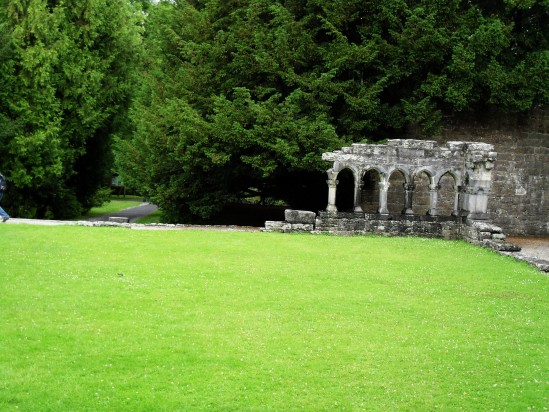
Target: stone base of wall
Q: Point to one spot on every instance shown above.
(481, 233)
(488, 235)
(287, 227)
(445, 227)
(391, 225)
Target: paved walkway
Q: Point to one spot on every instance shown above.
(132, 213)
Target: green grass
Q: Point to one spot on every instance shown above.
(265, 322)
(155, 217)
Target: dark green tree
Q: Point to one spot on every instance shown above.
(66, 76)
(242, 97)
(223, 113)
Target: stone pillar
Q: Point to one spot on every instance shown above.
(383, 188)
(332, 187)
(475, 203)
(433, 199)
(408, 197)
(479, 163)
(457, 198)
(358, 194)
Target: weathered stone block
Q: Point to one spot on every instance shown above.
(501, 246)
(498, 236)
(486, 227)
(299, 216)
(484, 235)
(301, 227)
(277, 226)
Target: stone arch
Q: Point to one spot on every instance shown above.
(371, 179)
(427, 170)
(449, 172)
(381, 171)
(406, 161)
(404, 171)
(345, 189)
(340, 166)
(422, 183)
(396, 179)
(447, 194)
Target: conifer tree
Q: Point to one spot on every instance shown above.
(66, 74)
(242, 97)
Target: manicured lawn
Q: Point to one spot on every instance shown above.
(155, 217)
(97, 319)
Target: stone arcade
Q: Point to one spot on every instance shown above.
(406, 187)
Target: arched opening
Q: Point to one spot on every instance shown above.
(446, 194)
(421, 199)
(345, 191)
(370, 191)
(395, 194)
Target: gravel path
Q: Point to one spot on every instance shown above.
(537, 247)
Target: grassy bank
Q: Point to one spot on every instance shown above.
(117, 319)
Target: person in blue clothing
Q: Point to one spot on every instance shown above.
(3, 186)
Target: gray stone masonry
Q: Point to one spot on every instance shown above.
(390, 225)
(519, 199)
(286, 227)
(469, 164)
(481, 233)
(299, 216)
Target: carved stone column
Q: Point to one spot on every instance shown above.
(383, 188)
(332, 188)
(359, 184)
(433, 199)
(408, 197)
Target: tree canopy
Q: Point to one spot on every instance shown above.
(241, 97)
(213, 101)
(66, 76)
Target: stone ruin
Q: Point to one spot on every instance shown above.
(406, 187)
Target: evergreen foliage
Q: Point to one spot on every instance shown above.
(243, 96)
(66, 74)
(239, 98)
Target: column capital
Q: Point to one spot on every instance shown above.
(384, 186)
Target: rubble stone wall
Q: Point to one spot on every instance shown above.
(519, 200)
(390, 225)
(482, 233)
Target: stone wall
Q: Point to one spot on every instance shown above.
(481, 233)
(519, 200)
(445, 227)
(409, 176)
